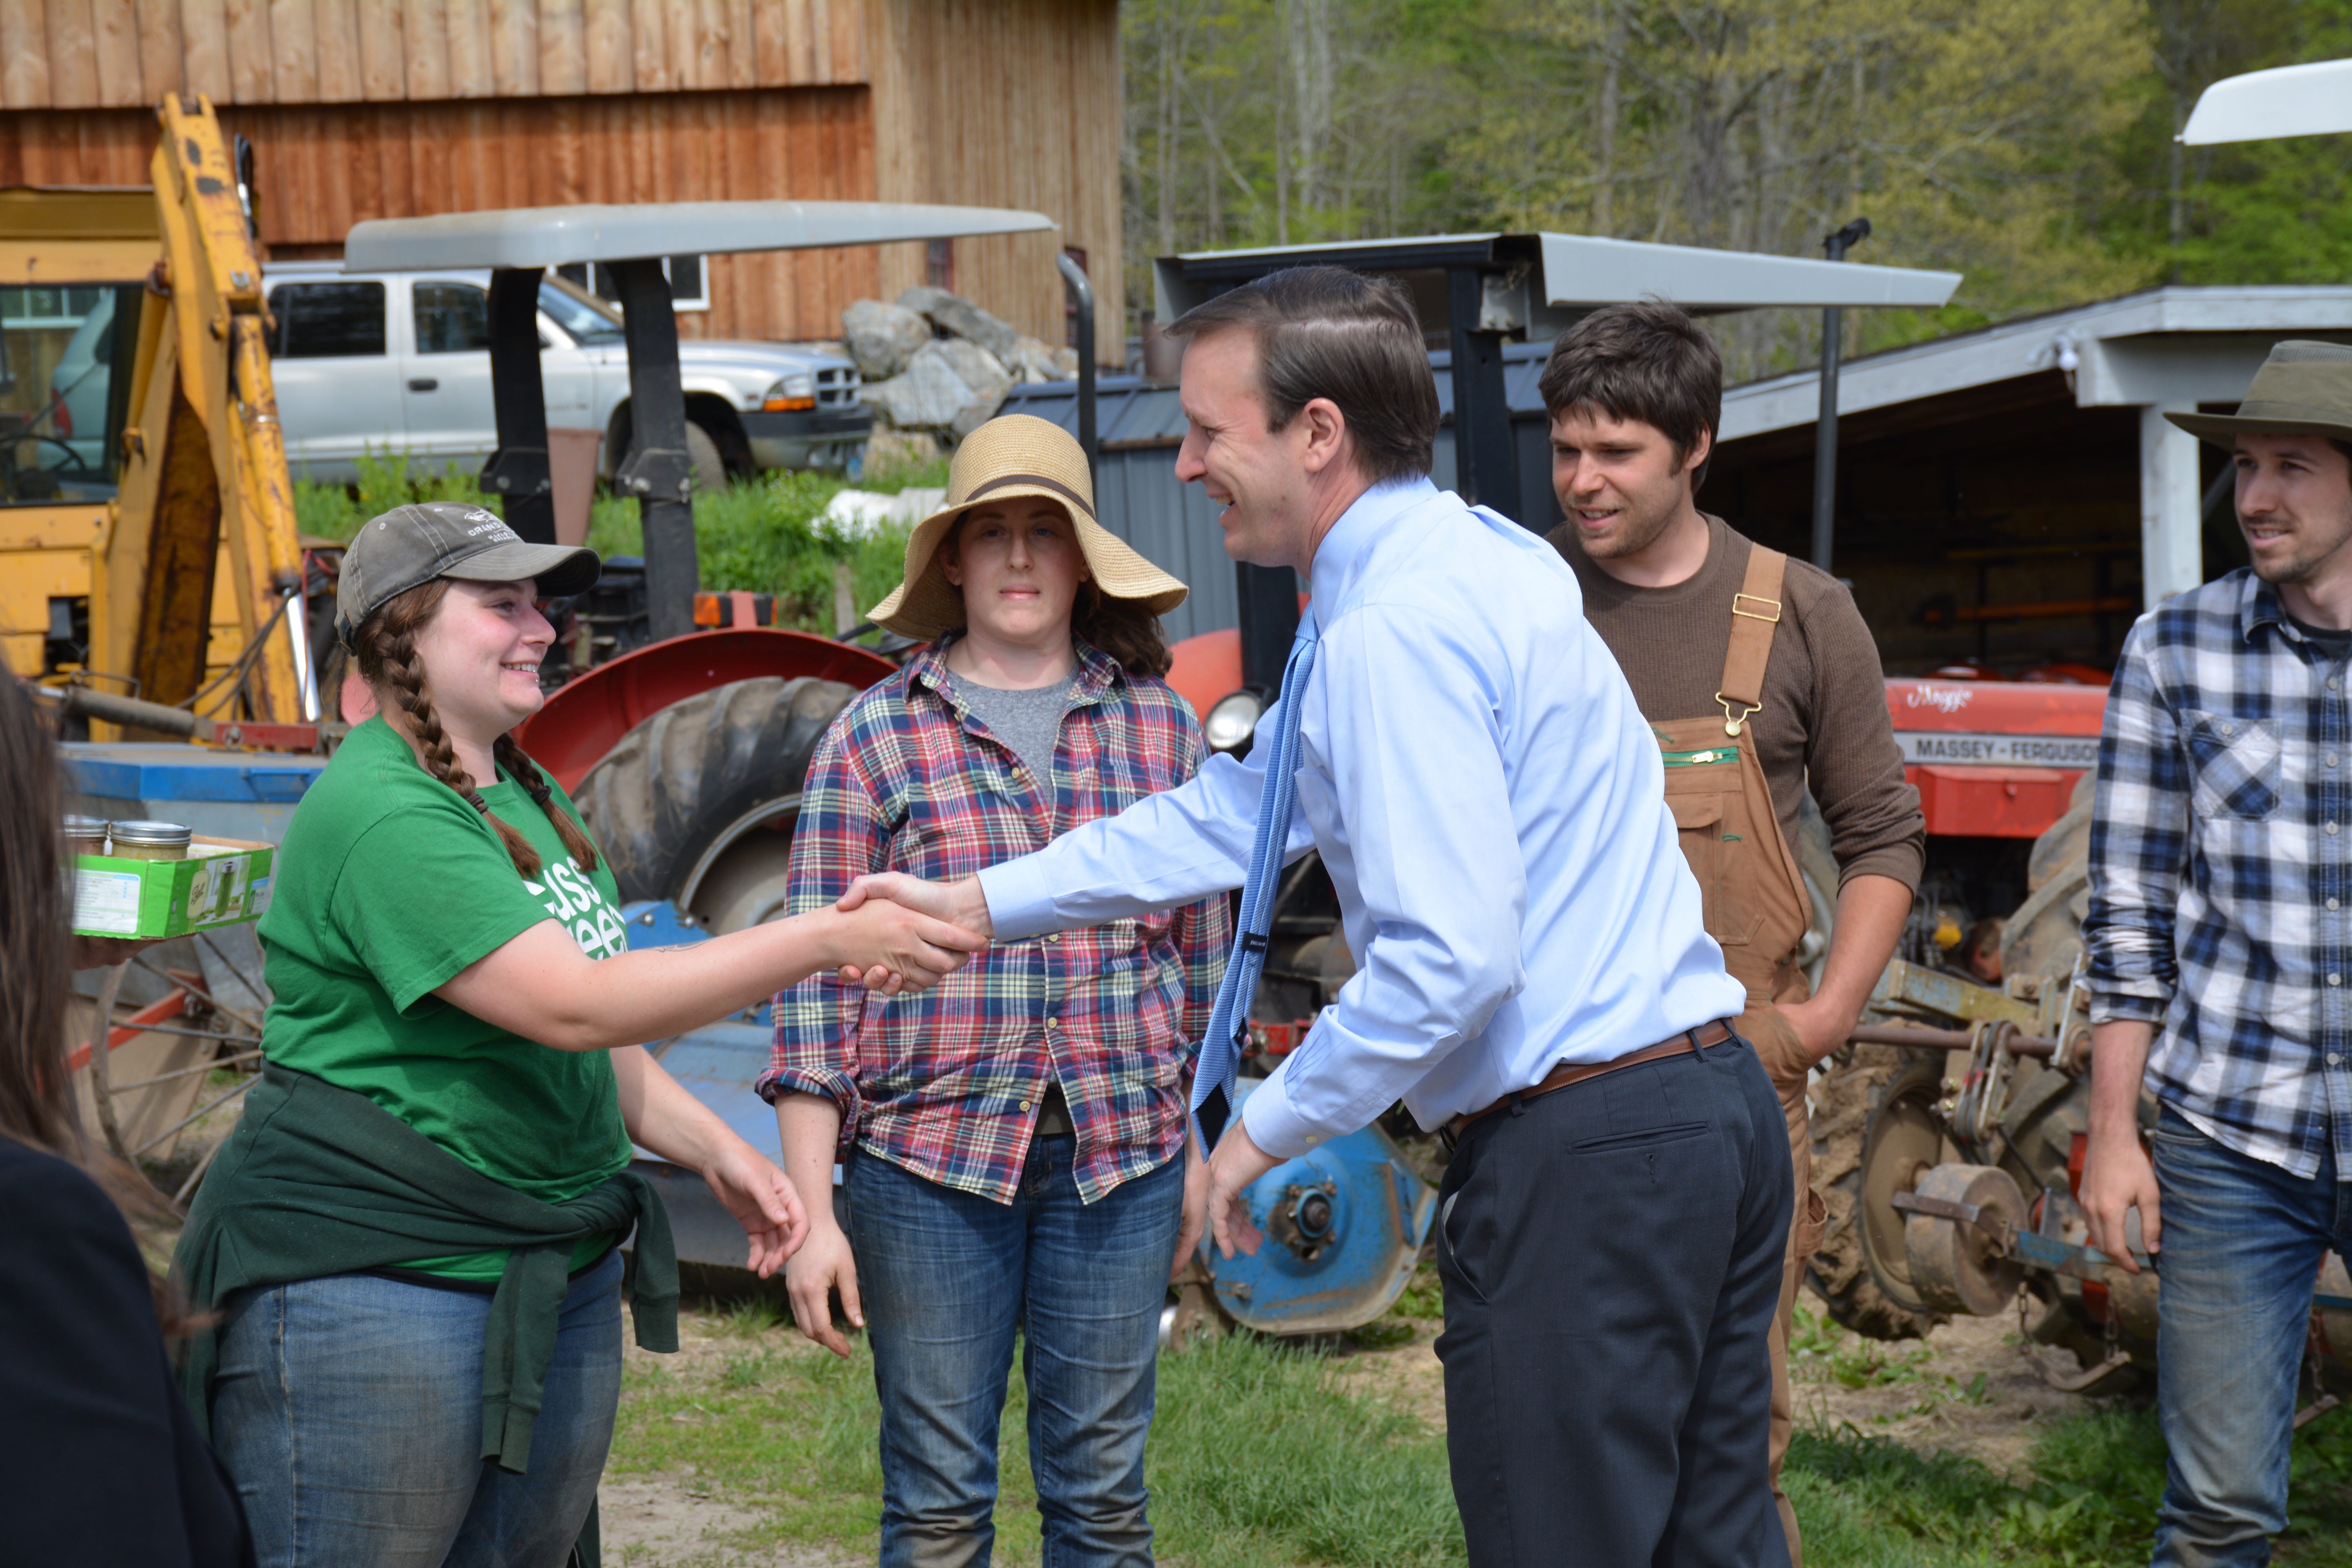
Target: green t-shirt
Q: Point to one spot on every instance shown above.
(387, 885)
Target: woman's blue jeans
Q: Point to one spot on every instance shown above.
(348, 1412)
(948, 1278)
(2242, 1244)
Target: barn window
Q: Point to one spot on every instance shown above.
(690, 280)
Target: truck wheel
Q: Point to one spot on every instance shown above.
(1845, 1105)
(697, 804)
(710, 468)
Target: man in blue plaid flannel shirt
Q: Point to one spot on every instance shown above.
(2220, 943)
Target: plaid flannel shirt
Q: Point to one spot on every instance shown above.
(2220, 870)
(947, 1083)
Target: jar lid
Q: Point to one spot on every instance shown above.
(78, 826)
(160, 833)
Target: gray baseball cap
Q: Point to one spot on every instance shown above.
(416, 544)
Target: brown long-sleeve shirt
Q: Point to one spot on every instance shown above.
(1824, 715)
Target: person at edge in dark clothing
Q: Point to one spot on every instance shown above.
(100, 1459)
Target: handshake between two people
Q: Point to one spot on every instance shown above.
(958, 924)
(923, 930)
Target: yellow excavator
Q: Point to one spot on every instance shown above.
(151, 573)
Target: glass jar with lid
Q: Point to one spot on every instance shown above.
(149, 840)
(85, 834)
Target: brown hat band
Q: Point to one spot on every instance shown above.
(1059, 488)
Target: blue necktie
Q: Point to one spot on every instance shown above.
(1221, 1050)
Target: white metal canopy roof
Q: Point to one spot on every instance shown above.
(1569, 270)
(2313, 99)
(2177, 344)
(553, 236)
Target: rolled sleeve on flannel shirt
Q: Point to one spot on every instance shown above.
(2220, 870)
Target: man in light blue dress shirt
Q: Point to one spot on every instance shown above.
(1489, 800)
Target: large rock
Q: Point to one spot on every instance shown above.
(949, 385)
(965, 319)
(979, 369)
(1032, 361)
(928, 396)
(882, 338)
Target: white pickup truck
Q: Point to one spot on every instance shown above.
(372, 364)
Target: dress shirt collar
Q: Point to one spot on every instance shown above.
(1346, 550)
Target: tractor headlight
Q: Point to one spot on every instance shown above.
(1233, 721)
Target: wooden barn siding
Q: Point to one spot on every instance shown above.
(324, 168)
(97, 54)
(1013, 103)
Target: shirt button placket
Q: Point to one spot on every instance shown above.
(2331, 794)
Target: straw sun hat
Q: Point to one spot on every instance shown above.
(1017, 455)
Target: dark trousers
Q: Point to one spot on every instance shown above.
(1612, 1259)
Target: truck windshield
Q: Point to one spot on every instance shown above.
(65, 377)
(588, 319)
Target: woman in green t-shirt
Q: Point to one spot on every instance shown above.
(447, 959)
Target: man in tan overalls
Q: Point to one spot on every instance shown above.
(1762, 682)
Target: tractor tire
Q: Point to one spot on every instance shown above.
(687, 807)
(2043, 936)
(1843, 1104)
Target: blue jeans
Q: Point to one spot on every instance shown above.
(2242, 1244)
(947, 1279)
(348, 1412)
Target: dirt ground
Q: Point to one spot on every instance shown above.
(1925, 1395)
(672, 1519)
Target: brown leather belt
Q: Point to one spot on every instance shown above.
(1568, 1073)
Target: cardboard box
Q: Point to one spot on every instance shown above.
(223, 881)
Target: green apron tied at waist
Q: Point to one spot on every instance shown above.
(318, 1180)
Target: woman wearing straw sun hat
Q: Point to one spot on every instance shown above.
(1012, 1141)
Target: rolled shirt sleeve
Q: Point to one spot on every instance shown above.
(840, 835)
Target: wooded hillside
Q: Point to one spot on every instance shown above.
(2026, 142)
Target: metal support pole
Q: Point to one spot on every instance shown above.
(1825, 429)
(1082, 293)
(1485, 466)
(659, 469)
(517, 472)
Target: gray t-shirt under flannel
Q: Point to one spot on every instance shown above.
(1029, 721)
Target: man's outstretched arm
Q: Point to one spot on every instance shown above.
(1166, 850)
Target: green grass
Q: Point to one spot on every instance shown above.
(763, 534)
(1261, 1458)
(1257, 1459)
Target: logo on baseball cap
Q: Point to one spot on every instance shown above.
(416, 544)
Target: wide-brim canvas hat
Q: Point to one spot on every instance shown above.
(2304, 388)
(412, 545)
(1017, 455)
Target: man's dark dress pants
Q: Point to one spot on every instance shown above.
(1612, 1259)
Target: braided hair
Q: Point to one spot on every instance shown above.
(386, 649)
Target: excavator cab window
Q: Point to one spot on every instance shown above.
(63, 403)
